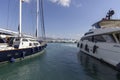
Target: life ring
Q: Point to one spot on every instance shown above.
(94, 48)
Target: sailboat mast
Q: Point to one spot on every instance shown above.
(20, 17)
(37, 18)
(42, 20)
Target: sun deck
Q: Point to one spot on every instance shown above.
(107, 24)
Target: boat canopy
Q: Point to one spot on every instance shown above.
(107, 24)
(12, 33)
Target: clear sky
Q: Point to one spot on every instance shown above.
(63, 18)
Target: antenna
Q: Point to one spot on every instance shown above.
(110, 14)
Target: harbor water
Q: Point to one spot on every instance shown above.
(59, 62)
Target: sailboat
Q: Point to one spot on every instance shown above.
(14, 45)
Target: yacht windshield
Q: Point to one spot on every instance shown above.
(118, 36)
(109, 38)
(2, 40)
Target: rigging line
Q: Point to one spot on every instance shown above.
(8, 12)
(40, 17)
(42, 20)
(16, 18)
(32, 15)
(29, 10)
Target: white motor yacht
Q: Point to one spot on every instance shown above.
(103, 41)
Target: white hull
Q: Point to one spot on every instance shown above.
(105, 51)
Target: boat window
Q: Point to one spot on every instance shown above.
(2, 41)
(90, 38)
(24, 40)
(30, 44)
(35, 44)
(109, 38)
(11, 41)
(99, 38)
(17, 39)
(87, 38)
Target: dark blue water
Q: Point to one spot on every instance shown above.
(58, 62)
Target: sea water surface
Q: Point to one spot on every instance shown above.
(58, 62)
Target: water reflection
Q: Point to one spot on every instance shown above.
(21, 70)
(96, 69)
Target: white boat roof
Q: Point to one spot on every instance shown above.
(103, 27)
(102, 31)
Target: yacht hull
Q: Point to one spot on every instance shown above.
(105, 52)
(12, 55)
